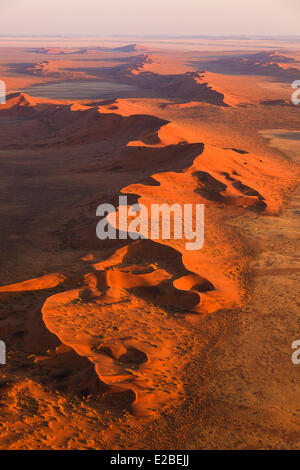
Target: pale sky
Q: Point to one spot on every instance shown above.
(150, 17)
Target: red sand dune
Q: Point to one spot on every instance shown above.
(119, 334)
(147, 273)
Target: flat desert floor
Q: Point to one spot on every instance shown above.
(123, 344)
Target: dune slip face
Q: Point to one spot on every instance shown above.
(110, 340)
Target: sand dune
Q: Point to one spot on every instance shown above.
(135, 371)
(68, 51)
(111, 342)
(262, 63)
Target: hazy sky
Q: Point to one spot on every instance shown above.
(169, 17)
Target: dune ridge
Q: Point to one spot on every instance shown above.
(145, 286)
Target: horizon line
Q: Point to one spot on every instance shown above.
(180, 36)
